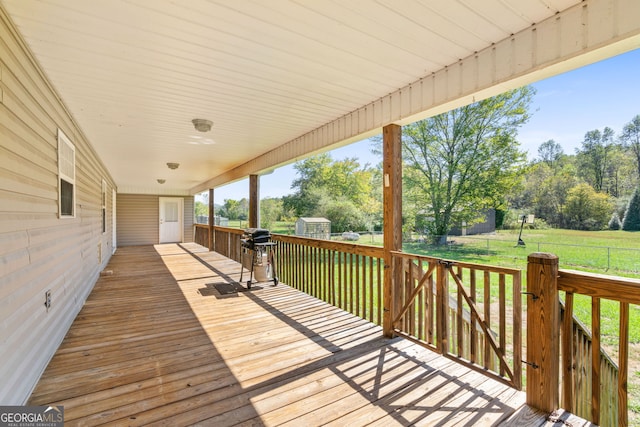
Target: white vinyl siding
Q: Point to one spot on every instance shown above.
(138, 219)
(41, 249)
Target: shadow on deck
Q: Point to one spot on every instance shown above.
(170, 338)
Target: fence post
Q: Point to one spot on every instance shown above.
(543, 332)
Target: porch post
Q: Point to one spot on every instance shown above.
(254, 202)
(211, 219)
(543, 332)
(392, 215)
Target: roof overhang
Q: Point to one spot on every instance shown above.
(282, 79)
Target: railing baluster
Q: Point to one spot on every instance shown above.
(459, 325)
(517, 329)
(356, 285)
(487, 357)
(595, 360)
(432, 311)
(623, 365)
(502, 322)
(442, 306)
(568, 355)
(473, 332)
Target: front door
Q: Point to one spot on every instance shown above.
(171, 219)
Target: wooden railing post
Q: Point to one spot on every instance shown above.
(392, 214)
(543, 330)
(254, 201)
(211, 219)
(442, 308)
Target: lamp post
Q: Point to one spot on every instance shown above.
(529, 220)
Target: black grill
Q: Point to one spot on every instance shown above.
(252, 236)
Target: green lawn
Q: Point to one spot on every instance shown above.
(606, 252)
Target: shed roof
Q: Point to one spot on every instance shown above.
(313, 219)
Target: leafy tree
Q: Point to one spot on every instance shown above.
(201, 209)
(630, 139)
(345, 216)
(463, 161)
(631, 221)
(616, 171)
(270, 211)
(550, 152)
(586, 208)
(594, 156)
(328, 188)
(235, 209)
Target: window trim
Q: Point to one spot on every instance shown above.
(63, 139)
(103, 209)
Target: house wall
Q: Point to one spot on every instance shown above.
(138, 219)
(38, 250)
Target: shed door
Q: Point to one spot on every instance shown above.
(171, 219)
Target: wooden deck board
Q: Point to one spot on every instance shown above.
(158, 343)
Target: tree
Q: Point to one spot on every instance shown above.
(550, 152)
(235, 209)
(631, 220)
(270, 212)
(329, 188)
(463, 161)
(594, 156)
(345, 216)
(586, 208)
(630, 139)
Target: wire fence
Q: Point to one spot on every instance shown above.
(604, 259)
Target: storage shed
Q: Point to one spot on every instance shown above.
(317, 228)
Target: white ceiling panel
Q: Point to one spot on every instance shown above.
(134, 73)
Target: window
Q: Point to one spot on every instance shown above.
(104, 206)
(66, 176)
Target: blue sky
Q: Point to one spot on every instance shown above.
(565, 107)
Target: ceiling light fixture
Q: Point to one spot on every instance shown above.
(161, 181)
(173, 166)
(202, 125)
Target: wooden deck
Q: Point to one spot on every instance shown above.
(169, 338)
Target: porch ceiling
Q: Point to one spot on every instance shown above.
(134, 73)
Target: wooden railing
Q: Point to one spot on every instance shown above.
(472, 313)
(577, 381)
(201, 234)
(583, 367)
(469, 312)
(346, 275)
(226, 239)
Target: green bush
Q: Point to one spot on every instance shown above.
(614, 222)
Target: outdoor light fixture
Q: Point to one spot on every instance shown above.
(161, 181)
(202, 125)
(173, 166)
